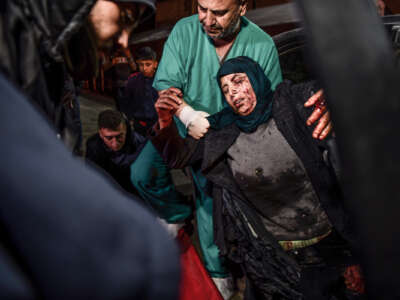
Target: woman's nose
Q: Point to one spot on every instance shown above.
(233, 92)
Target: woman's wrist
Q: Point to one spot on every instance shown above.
(186, 114)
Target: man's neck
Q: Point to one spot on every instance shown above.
(222, 47)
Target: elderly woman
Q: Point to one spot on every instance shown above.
(278, 213)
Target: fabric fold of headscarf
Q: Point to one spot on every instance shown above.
(262, 89)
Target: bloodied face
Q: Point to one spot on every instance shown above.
(220, 18)
(239, 93)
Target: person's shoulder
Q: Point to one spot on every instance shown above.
(185, 25)
(187, 21)
(137, 138)
(93, 142)
(185, 32)
(253, 31)
(290, 94)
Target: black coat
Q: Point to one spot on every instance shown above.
(41, 40)
(65, 231)
(32, 37)
(140, 97)
(263, 258)
(116, 163)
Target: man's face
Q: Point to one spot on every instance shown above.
(114, 139)
(147, 67)
(239, 93)
(220, 18)
(113, 22)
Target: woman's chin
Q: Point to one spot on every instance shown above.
(245, 110)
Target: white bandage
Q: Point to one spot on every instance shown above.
(225, 286)
(195, 121)
(186, 115)
(172, 229)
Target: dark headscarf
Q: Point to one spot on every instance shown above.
(262, 88)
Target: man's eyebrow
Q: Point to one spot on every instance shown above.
(203, 8)
(220, 12)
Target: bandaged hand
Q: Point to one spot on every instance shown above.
(195, 121)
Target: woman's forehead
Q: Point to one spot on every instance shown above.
(232, 76)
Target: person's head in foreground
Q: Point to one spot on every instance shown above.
(109, 25)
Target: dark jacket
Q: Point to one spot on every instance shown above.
(33, 39)
(267, 265)
(140, 97)
(65, 232)
(116, 163)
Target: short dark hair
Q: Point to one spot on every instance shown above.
(145, 53)
(110, 119)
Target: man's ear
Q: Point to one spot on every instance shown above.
(156, 64)
(243, 7)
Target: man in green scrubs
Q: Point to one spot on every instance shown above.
(191, 58)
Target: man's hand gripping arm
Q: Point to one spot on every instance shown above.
(320, 113)
(194, 120)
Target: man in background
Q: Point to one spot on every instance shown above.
(119, 70)
(114, 147)
(140, 95)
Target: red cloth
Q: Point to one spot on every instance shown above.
(354, 279)
(133, 75)
(195, 281)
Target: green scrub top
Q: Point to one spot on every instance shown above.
(190, 62)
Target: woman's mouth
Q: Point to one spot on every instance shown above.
(238, 102)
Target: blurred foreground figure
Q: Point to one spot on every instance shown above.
(367, 96)
(41, 42)
(66, 233)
